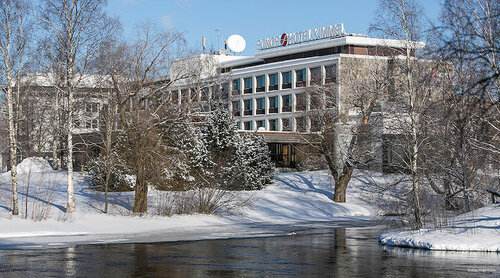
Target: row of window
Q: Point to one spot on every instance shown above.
(289, 103)
(285, 80)
(297, 124)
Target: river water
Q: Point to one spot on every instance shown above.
(320, 251)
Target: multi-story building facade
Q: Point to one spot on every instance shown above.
(270, 92)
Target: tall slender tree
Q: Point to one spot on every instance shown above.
(401, 20)
(77, 30)
(13, 44)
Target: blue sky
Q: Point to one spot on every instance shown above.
(252, 19)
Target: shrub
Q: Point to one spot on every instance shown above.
(119, 179)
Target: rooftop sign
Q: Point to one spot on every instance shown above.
(286, 39)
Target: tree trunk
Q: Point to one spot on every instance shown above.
(141, 189)
(12, 150)
(415, 180)
(341, 183)
(70, 207)
(55, 132)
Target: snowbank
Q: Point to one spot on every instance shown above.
(33, 165)
(478, 230)
(293, 198)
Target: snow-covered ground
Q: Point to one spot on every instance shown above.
(293, 198)
(477, 230)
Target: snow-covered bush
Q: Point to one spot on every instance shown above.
(119, 179)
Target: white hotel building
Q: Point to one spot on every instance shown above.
(268, 92)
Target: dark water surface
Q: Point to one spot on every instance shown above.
(319, 252)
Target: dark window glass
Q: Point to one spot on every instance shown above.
(287, 103)
(273, 104)
(273, 125)
(261, 83)
(286, 126)
(236, 86)
(248, 85)
(248, 125)
(315, 76)
(236, 108)
(287, 80)
(301, 124)
(273, 82)
(261, 123)
(317, 100)
(301, 101)
(261, 106)
(315, 126)
(301, 78)
(175, 97)
(248, 107)
(331, 74)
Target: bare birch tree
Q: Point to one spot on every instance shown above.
(401, 20)
(13, 42)
(77, 30)
(467, 41)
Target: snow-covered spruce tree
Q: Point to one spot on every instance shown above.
(120, 178)
(253, 165)
(235, 162)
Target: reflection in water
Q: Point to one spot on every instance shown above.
(324, 252)
(70, 270)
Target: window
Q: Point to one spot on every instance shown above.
(331, 99)
(204, 94)
(248, 85)
(287, 80)
(286, 125)
(95, 124)
(301, 125)
(261, 83)
(261, 106)
(261, 123)
(88, 124)
(92, 107)
(301, 78)
(236, 87)
(248, 107)
(175, 97)
(315, 76)
(248, 125)
(273, 82)
(236, 108)
(317, 100)
(238, 125)
(184, 96)
(301, 102)
(273, 125)
(287, 103)
(315, 125)
(273, 104)
(225, 90)
(331, 74)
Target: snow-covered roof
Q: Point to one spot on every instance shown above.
(50, 79)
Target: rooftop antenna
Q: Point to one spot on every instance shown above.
(236, 43)
(218, 37)
(204, 43)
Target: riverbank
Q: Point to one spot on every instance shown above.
(293, 198)
(478, 230)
